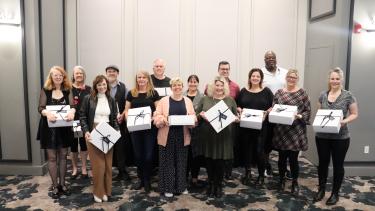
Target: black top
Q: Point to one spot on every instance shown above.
(142, 100)
(190, 97)
(261, 100)
(160, 83)
(78, 95)
(177, 108)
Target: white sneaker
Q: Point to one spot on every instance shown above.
(168, 195)
(105, 198)
(185, 192)
(97, 199)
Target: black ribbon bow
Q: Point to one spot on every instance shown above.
(221, 116)
(61, 110)
(142, 115)
(250, 115)
(105, 139)
(328, 117)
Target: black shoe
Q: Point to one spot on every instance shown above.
(295, 187)
(320, 194)
(126, 176)
(333, 199)
(218, 191)
(64, 190)
(55, 193)
(147, 187)
(84, 176)
(288, 175)
(269, 170)
(260, 181)
(73, 176)
(281, 185)
(228, 177)
(210, 189)
(137, 186)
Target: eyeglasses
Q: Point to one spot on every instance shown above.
(57, 76)
(291, 77)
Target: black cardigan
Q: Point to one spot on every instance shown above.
(87, 113)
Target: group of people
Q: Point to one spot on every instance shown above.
(183, 149)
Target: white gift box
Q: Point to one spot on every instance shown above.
(139, 119)
(103, 137)
(252, 118)
(77, 129)
(282, 114)
(60, 111)
(181, 120)
(328, 121)
(220, 116)
(164, 91)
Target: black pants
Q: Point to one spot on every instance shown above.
(338, 149)
(253, 149)
(193, 164)
(284, 155)
(215, 170)
(119, 155)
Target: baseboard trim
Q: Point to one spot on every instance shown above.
(23, 169)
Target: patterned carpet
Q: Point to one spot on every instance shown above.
(31, 193)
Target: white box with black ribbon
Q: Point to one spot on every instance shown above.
(177, 120)
(283, 114)
(220, 116)
(327, 121)
(60, 111)
(252, 118)
(104, 137)
(139, 119)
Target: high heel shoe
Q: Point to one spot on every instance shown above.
(64, 190)
(105, 198)
(333, 199)
(320, 194)
(55, 193)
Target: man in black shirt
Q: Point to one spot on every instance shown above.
(119, 92)
(158, 78)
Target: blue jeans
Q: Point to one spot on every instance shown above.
(144, 142)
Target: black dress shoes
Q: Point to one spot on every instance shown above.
(333, 199)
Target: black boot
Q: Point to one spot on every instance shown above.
(260, 181)
(210, 189)
(295, 187)
(320, 194)
(333, 199)
(246, 180)
(281, 185)
(218, 190)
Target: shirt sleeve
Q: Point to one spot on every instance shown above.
(42, 101)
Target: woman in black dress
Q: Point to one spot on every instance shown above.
(57, 140)
(254, 96)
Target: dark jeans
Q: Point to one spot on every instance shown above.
(338, 149)
(284, 155)
(144, 142)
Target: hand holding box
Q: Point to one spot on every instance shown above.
(252, 118)
(283, 114)
(220, 116)
(61, 112)
(328, 121)
(139, 119)
(104, 137)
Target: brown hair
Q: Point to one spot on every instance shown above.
(251, 73)
(66, 84)
(98, 79)
(149, 88)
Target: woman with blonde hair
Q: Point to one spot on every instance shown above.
(144, 141)
(216, 147)
(57, 140)
(334, 145)
(291, 139)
